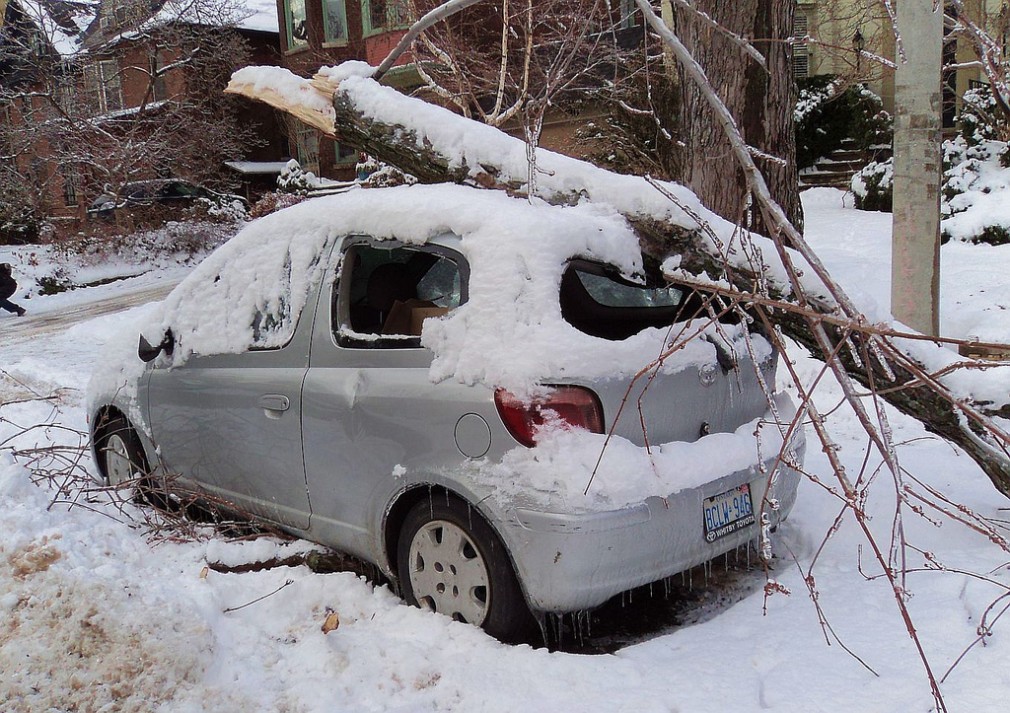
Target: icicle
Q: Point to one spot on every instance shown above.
(875, 349)
(853, 352)
(765, 544)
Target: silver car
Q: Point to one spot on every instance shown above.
(456, 386)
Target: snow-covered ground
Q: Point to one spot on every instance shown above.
(96, 615)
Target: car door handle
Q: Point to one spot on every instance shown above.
(275, 402)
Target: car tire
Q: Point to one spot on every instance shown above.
(122, 460)
(449, 560)
(122, 457)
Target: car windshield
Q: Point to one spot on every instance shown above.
(177, 190)
(138, 190)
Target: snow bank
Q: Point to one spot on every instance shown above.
(79, 619)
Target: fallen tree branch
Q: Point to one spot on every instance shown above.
(818, 319)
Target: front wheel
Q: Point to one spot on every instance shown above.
(121, 456)
(450, 561)
(122, 462)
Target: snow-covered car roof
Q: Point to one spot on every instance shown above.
(509, 333)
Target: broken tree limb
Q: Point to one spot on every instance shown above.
(436, 145)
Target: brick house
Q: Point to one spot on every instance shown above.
(325, 32)
(320, 32)
(134, 55)
(110, 60)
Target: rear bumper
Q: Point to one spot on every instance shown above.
(570, 561)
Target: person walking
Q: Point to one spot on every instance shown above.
(8, 286)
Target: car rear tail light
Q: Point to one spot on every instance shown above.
(574, 406)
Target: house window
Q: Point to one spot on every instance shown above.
(382, 15)
(307, 146)
(37, 170)
(27, 108)
(6, 137)
(67, 94)
(344, 154)
(801, 53)
(106, 93)
(37, 44)
(335, 20)
(71, 184)
(630, 17)
(297, 24)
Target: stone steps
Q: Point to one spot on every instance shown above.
(837, 168)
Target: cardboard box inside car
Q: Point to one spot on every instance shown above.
(419, 314)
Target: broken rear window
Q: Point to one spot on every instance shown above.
(596, 300)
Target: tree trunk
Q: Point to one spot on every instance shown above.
(918, 164)
(761, 100)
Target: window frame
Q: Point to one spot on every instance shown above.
(159, 85)
(368, 29)
(341, 331)
(103, 82)
(801, 51)
(294, 44)
(307, 147)
(349, 160)
(629, 15)
(72, 184)
(330, 40)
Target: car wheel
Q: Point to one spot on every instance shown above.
(122, 460)
(449, 560)
(122, 457)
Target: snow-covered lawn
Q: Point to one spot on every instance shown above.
(95, 615)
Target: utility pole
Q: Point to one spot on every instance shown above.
(915, 248)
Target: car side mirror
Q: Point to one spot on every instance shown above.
(147, 353)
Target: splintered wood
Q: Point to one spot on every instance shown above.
(283, 100)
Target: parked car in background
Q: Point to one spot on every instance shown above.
(164, 198)
(442, 381)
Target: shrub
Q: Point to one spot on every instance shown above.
(273, 202)
(176, 242)
(295, 179)
(973, 191)
(980, 118)
(872, 186)
(828, 112)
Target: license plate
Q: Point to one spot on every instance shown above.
(727, 512)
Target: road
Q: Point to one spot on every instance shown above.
(35, 363)
(19, 330)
